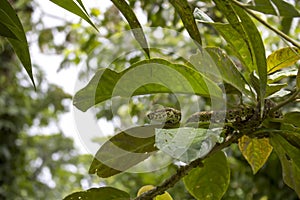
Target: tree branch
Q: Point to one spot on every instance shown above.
(184, 170)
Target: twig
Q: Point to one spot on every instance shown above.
(278, 32)
(184, 170)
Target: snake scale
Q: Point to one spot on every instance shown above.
(238, 117)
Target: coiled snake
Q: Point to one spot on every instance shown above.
(239, 118)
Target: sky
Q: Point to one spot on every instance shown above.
(66, 78)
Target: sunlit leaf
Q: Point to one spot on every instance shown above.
(103, 193)
(184, 10)
(145, 188)
(245, 39)
(275, 87)
(12, 28)
(134, 24)
(290, 161)
(256, 151)
(201, 16)
(209, 182)
(76, 9)
(186, 144)
(287, 72)
(145, 77)
(282, 58)
(228, 70)
(124, 150)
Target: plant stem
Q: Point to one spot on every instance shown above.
(184, 170)
(278, 32)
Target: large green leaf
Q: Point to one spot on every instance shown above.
(282, 58)
(133, 23)
(11, 27)
(76, 9)
(290, 161)
(102, 193)
(226, 69)
(237, 43)
(274, 7)
(186, 144)
(286, 9)
(145, 77)
(209, 182)
(256, 151)
(245, 40)
(185, 12)
(124, 150)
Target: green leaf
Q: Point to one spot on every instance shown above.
(249, 44)
(264, 6)
(5, 32)
(124, 150)
(145, 77)
(76, 9)
(201, 16)
(273, 88)
(282, 58)
(290, 161)
(185, 12)
(133, 23)
(103, 193)
(286, 24)
(186, 144)
(12, 28)
(292, 118)
(228, 70)
(164, 196)
(291, 134)
(256, 151)
(209, 182)
(237, 43)
(276, 77)
(286, 9)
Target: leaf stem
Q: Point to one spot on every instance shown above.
(184, 170)
(278, 32)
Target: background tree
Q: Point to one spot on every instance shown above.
(162, 14)
(35, 164)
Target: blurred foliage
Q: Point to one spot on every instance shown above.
(28, 155)
(34, 164)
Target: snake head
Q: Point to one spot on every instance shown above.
(165, 115)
